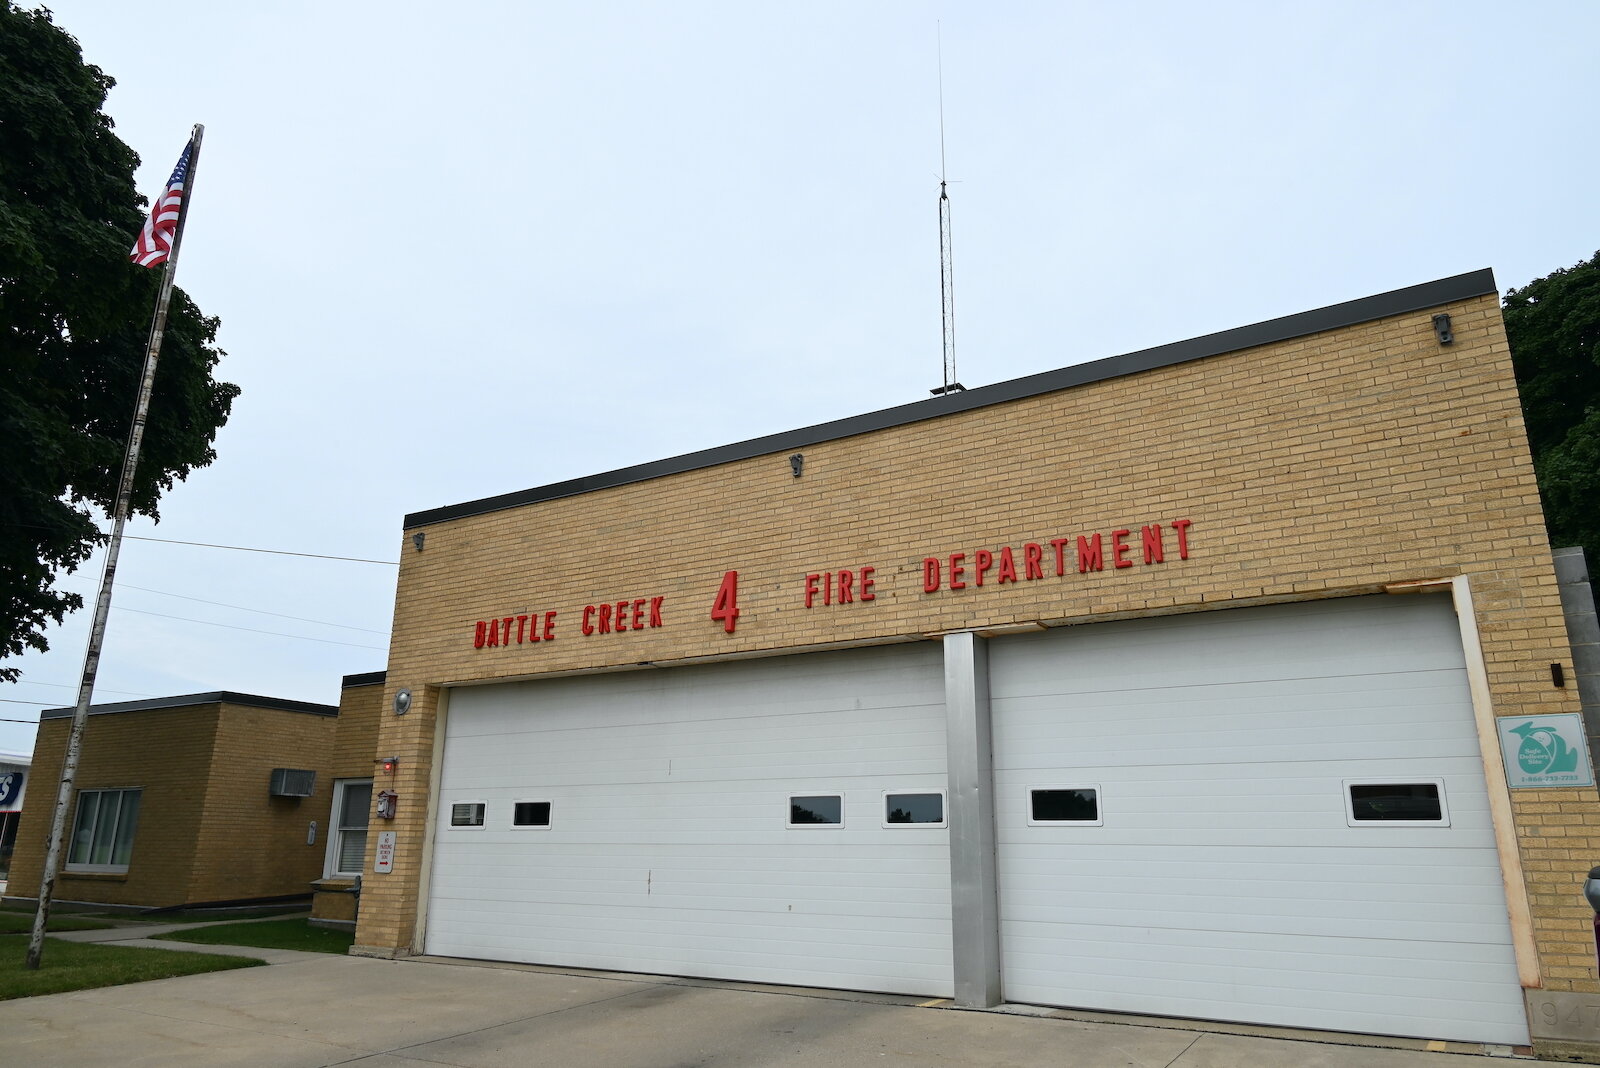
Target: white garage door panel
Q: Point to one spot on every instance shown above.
(1226, 882)
(668, 851)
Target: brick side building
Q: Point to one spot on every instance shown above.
(175, 805)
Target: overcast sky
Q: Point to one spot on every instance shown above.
(463, 251)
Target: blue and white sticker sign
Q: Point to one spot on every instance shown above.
(11, 788)
(1545, 751)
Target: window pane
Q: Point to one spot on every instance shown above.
(1402, 801)
(914, 808)
(127, 824)
(531, 814)
(83, 833)
(356, 808)
(352, 850)
(105, 828)
(466, 814)
(823, 809)
(1065, 806)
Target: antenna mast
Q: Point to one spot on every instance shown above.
(947, 293)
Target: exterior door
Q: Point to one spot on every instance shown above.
(1274, 815)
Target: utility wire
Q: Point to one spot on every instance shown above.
(64, 686)
(275, 552)
(242, 608)
(252, 630)
(210, 545)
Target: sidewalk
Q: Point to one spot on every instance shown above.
(312, 1010)
(144, 934)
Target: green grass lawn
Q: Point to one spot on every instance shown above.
(83, 965)
(174, 916)
(203, 915)
(22, 923)
(269, 934)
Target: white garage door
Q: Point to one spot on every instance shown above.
(667, 795)
(1274, 815)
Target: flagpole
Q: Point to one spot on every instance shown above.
(102, 607)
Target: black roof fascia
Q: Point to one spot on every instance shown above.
(368, 678)
(1336, 316)
(215, 697)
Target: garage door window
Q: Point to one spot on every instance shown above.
(1388, 803)
(534, 814)
(816, 810)
(1064, 806)
(467, 815)
(919, 808)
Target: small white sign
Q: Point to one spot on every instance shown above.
(385, 852)
(1545, 751)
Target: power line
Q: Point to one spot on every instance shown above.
(14, 701)
(242, 608)
(65, 686)
(275, 552)
(252, 630)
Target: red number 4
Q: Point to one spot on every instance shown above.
(726, 607)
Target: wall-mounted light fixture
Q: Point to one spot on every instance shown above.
(1441, 328)
(388, 764)
(797, 463)
(402, 702)
(418, 538)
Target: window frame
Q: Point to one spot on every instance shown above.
(1099, 806)
(788, 812)
(336, 831)
(482, 825)
(944, 809)
(514, 825)
(1436, 781)
(89, 868)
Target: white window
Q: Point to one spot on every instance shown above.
(102, 833)
(347, 837)
(1395, 802)
(531, 814)
(1064, 806)
(913, 808)
(815, 810)
(468, 815)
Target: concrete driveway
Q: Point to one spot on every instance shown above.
(311, 1010)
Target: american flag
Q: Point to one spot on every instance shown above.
(155, 240)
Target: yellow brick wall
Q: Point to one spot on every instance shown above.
(1321, 466)
(354, 756)
(251, 843)
(355, 745)
(208, 829)
(167, 752)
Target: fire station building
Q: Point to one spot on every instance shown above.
(1226, 679)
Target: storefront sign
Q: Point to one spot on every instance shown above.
(11, 788)
(1545, 751)
(385, 859)
(857, 584)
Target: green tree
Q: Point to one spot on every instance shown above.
(1553, 325)
(74, 315)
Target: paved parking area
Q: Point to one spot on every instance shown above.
(314, 1010)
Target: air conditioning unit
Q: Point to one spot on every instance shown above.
(293, 782)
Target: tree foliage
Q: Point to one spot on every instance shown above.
(1553, 324)
(74, 317)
